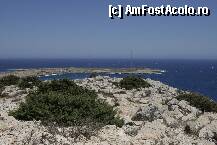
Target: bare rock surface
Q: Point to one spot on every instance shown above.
(153, 116)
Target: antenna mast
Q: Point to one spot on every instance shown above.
(131, 59)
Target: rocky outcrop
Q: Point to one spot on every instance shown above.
(147, 113)
(153, 116)
(11, 91)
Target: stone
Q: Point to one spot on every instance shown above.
(131, 130)
(148, 113)
(174, 101)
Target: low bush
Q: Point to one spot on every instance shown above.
(29, 82)
(65, 103)
(64, 86)
(1, 89)
(215, 137)
(25, 82)
(133, 82)
(203, 103)
(9, 80)
(93, 75)
(187, 129)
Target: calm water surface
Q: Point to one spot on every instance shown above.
(194, 75)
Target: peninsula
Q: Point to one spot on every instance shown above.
(50, 71)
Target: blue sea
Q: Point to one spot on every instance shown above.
(194, 75)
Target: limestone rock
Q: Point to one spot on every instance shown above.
(148, 113)
(12, 91)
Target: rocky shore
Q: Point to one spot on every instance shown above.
(152, 116)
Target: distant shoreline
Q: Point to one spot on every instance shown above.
(57, 71)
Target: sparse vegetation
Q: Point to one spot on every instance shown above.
(203, 103)
(67, 104)
(132, 82)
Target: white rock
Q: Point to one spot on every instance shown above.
(174, 101)
(162, 122)
(147, 113)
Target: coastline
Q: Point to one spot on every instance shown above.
(57, 71)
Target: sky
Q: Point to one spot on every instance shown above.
(82, 29)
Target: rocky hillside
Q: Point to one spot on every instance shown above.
(152, 116)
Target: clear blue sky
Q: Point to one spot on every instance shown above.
(82, 29)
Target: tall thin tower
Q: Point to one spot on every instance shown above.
(131, 58)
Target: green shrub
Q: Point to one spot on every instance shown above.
(187, 129)
(133, 82)
(93, 75)
(9, 80)
(215, 137)
(1, 89)
(64, 86)
(116, 83)
(203, 103)
(65, 103)
(25, 82)
(29, 82)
